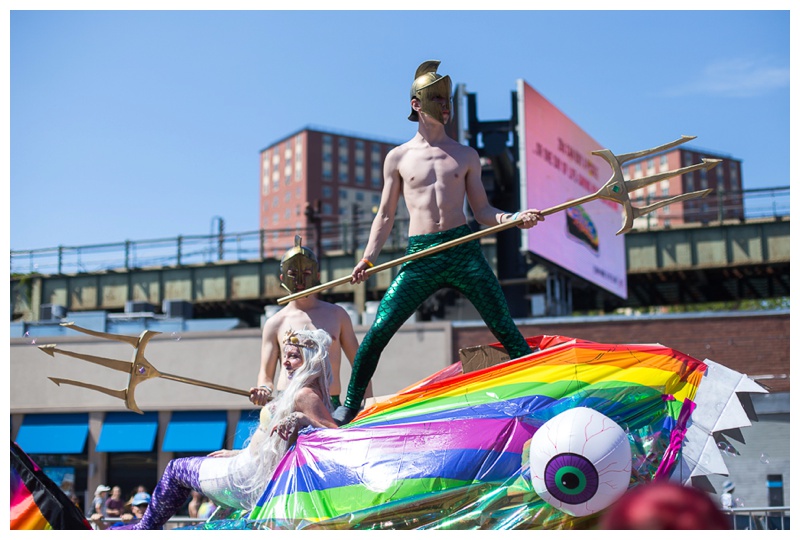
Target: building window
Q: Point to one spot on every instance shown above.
(343, 194)
(637, 170)
(376, 179)
(375, 154)
(327, 192)
(359, 196)
(359, 152)
(265, 184)
(703, 179)
(327, 209)
(689, 182)
(327, 148)
(265, 174)
(287, 197)
(663, 165)
(360, 175)
(327, 172)
(343, 151)
(343, 172)
(651, 166)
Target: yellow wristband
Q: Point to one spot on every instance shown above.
(367, 262)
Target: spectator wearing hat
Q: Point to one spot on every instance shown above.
(726, 499)
(98, 505)
(139, 504)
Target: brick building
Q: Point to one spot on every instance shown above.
(724, 202)
(316, 183)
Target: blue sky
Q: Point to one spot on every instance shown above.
(133, 125)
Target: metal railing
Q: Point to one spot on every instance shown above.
(348, 237)
(172, 523)
(772, 518)
(762, 518)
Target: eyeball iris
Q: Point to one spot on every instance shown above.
(571, 478)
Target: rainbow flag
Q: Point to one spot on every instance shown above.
(37, 503)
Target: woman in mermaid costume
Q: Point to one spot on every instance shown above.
(237, 478)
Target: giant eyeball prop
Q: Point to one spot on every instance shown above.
(580, 461)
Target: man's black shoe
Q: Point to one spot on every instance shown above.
(343, 415)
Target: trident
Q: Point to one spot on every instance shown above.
(617, 189)
(139, 368)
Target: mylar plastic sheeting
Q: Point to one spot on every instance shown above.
(451, 452)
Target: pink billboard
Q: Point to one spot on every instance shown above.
(556, 166)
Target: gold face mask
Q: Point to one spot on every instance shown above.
(432, 90)
(299, 268)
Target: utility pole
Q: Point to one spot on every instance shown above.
(314, 217)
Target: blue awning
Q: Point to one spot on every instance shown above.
(53, 433)
(195, 431)
(128, 432)
(248, 422)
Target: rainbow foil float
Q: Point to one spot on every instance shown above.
(547, 441)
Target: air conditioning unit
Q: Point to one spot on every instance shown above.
(132, 306)
(52, 312)
(177, 309)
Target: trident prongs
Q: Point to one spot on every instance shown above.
(618, 189)
(139, 369)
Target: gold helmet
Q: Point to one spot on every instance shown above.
(296, 264)
(428, 85)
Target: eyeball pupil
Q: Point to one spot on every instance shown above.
(570, 481)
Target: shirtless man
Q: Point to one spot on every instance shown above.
(299, 271)
(434, 174)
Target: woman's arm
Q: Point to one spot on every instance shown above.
(309, 411)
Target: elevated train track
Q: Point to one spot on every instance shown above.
(686, 265)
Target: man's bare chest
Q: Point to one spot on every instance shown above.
(424, 168)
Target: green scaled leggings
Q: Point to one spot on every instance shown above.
(463, 268)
